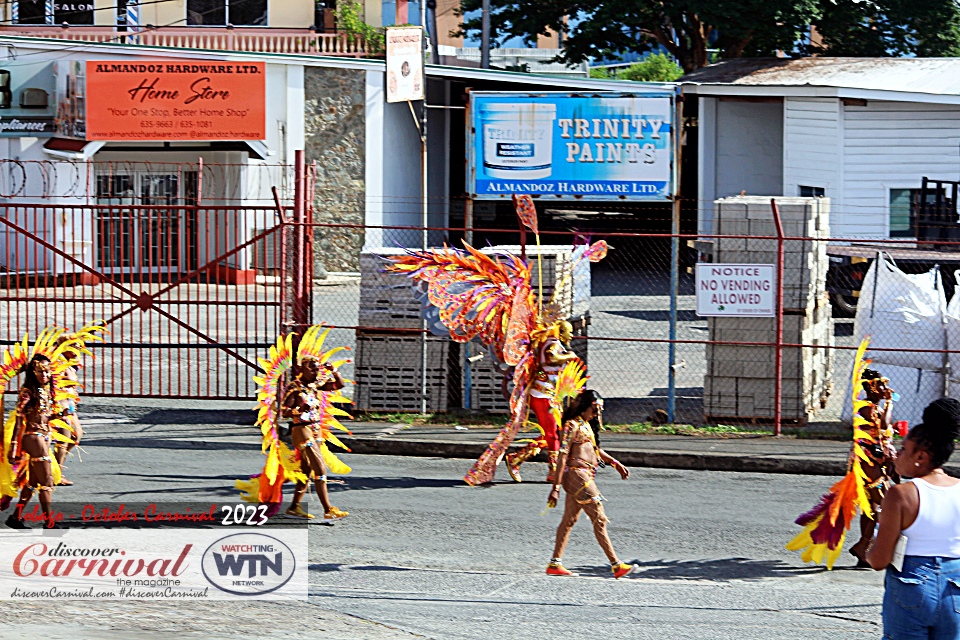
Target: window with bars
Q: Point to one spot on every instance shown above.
(218, 13)
(134, 230)
(46, 12)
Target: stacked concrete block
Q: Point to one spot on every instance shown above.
(388, 373)
(739, 383)
(386, 299)
(388, 359)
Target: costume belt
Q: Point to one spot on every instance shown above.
(586, 466)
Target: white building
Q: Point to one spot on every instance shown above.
(861, 131)
(366, 150)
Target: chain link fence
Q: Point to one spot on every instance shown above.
(835, 291)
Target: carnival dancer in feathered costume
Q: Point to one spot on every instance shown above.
(580, 455)
(27, 464)
(474, 297)
(309, 402)
(869, 473)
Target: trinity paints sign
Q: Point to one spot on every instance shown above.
(616, 146)
(163, 100)
(736, 290)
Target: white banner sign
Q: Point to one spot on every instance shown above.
(404, 64)
(736, 290)
(154, 564)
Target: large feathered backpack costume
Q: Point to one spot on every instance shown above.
(283, 463)
(52, 343)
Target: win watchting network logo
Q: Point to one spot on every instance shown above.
(248, 564)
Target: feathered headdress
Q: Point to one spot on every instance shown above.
(53, 343)
(282, 463)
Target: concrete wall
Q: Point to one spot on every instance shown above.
(336, 138)
(741, 149)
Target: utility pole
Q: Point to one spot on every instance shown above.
(425, 210)
(434, 33)
(485, 35)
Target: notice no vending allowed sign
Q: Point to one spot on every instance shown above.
(736, 290)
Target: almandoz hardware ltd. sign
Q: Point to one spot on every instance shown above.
(162, 100)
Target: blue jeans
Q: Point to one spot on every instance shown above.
(923, 600)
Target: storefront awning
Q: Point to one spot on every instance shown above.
(71, 149)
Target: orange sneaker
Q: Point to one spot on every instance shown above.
(621, 569)
(557, 569)
(335, 514)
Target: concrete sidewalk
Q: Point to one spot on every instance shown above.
(109, 424)
(759, 453)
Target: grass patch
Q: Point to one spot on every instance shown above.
(648, 428)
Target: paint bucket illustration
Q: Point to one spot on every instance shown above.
(517, 139)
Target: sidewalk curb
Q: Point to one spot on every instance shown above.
(652, 459)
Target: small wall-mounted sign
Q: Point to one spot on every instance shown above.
(736, 290)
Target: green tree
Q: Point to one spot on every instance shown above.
(928, 28)
(604, 28)
(657, 67)
(350, 22)
(737, 28)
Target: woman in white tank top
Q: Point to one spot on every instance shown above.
(922, 600)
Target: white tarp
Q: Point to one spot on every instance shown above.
(953, 333)
(917, 388)
(905, 312)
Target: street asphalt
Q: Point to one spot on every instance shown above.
(423, 555)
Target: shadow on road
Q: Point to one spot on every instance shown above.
(361, 484)
(720, 570)
(222, 485)
(137, 442)
(339, 567)
(198, 416)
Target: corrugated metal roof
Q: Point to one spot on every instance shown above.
(940, 76)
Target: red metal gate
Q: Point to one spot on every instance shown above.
(191, 294)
